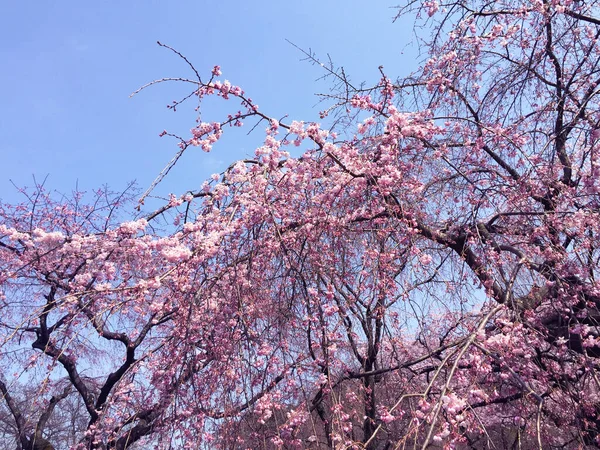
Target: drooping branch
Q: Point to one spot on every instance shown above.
(43, 420)
(16, 413)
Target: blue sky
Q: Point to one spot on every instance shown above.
(70, 66)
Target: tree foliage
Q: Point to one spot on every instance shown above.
(423, 275)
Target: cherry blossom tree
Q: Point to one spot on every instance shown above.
(61, 419)
(423, 275)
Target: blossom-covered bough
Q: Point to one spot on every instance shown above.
(424, 278)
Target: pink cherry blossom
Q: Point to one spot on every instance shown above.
(427, 273)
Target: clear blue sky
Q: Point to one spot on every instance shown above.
(70, 66)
